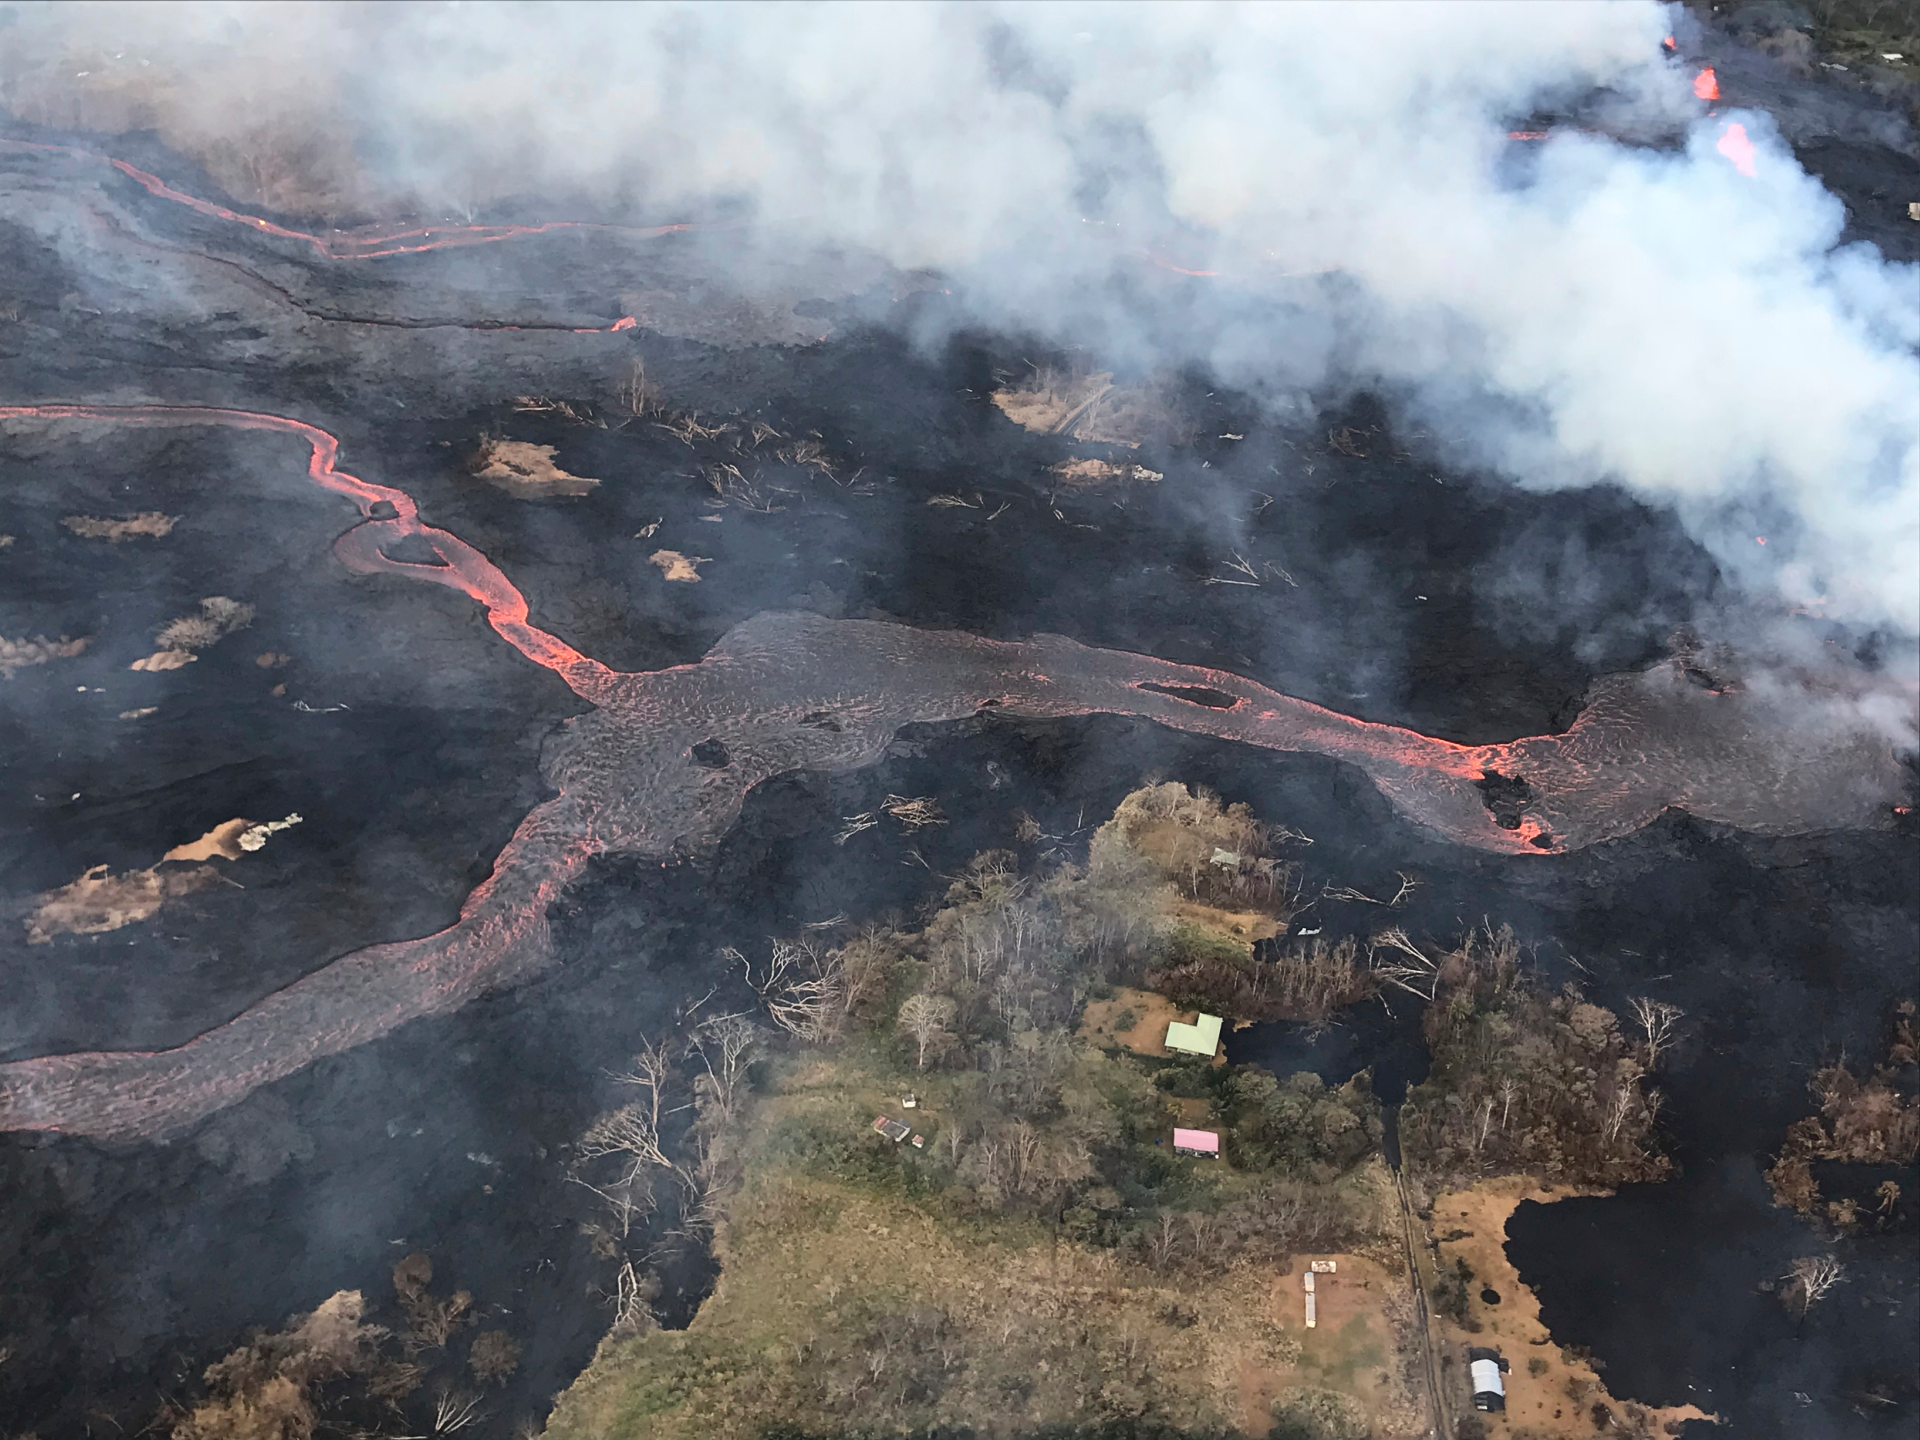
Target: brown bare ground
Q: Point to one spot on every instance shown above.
(1089, 408)
(18, 654)
(675, 566)
(1148, 1033)
(100, 901)
(1101, 472)
(222, 841)
(1560, 1401)
(149, 523)
(164, 660)
(527, 471)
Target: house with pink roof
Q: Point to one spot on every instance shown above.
(1196, 1142)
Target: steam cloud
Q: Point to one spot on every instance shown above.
(1593, 311)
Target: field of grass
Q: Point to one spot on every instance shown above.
(866, 1291)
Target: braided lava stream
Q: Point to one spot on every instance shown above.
(665, 758)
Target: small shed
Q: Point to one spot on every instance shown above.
(1200, 1038)
(1196, 1142)
(1486, 1366)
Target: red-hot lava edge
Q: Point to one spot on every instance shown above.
(782, 692)
(342, 245)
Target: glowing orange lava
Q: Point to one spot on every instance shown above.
(344, 245)
(1734, 144)
(780, 693)
(1706, 85)
(462, 567)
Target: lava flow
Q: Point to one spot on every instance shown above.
(374, 245)
(462, 566)
(665, 758)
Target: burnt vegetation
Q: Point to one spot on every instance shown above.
(1864, 1121)
(334, 1372)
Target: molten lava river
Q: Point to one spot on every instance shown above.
(664, 759)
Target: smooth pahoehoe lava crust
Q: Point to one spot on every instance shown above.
(630, 782)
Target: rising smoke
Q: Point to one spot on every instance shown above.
(1592, 310)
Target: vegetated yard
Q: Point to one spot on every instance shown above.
(1042, 1259)
(863, 1292)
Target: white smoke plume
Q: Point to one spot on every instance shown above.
(1604, 312)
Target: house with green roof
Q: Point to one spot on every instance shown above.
(1200, 1038)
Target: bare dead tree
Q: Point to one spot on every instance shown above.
(779, 960)
(1509, 1092)
(632, 1315)
(852, 825)
(916, 813)
(927, 1018)
(1808, 1279)
(1414, 973)
(1618, 1109)
(954, 1137)
(455, 1410)
(1160, 1242)
(724, 1044)
(1482, 1124)
(1346, 893)
(631, 1132)
(804, 989)
(811, 1003)
(1657, 1019)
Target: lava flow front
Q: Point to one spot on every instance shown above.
(783, 692)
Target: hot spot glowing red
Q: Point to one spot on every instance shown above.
(1734, 144)
(1706, 85)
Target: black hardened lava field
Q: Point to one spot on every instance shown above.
(656, 663)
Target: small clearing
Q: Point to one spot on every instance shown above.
(1145, 1016)
(675, 566)
(149, 523)
(1101, 472)
(527, 471)
(1089, 408)
(18, 654)
(100, 901)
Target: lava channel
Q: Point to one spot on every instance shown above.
(367, 244)
(664, 759)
